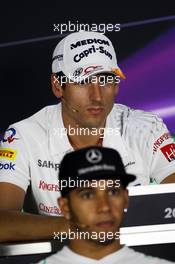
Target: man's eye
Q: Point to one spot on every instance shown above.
(87, 195)
(106, 81)
(113, 191)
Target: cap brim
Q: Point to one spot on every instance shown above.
(119, 72)
(116, 71)
(125, 179)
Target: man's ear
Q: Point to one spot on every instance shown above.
(126, 198)
(116, 89)
(64, 207)
(56, 87)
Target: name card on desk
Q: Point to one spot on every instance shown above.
(150, 217)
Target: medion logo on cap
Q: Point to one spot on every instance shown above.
(88, 41)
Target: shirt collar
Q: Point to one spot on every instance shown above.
(113, 138)
(111, 258)
(58, 140)
(59, 143)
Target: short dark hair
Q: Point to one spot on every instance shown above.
(60, 75)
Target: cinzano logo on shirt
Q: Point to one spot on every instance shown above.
(49, 209)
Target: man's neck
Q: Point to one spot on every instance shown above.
(85, 141)
(80, 137)
(93, 250)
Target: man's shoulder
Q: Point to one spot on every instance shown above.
(64, 256)
(136, 120)
(133, 256)
(39, 120)
(35, 127)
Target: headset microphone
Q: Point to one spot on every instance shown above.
(83, 225)
(80, 225)
(73, 109)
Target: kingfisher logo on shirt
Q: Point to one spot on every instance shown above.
(169, 152)
(8, 154)
(48, 186)
(160, 141)
(9, 135)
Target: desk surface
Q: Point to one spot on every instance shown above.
(146, 222)
(32, 252)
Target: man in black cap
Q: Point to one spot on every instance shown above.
(93, 185)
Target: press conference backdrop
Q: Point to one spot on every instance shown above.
(146, 53)
(150, 83)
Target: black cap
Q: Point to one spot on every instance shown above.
(92, 163)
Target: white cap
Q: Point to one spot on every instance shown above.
(82, 54)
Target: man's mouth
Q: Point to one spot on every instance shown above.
(105, 224)
(95, 110)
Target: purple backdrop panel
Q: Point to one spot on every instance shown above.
(150, 83)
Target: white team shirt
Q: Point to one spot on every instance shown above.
(32, 149)
(123, 256)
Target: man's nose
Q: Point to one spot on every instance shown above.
(95, 92)
(103, 205)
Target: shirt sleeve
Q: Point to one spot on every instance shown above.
(14, 159)
(163, 151)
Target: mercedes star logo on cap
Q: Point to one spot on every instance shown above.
(93, 156)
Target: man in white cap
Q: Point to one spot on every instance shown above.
(95, 208)
(85, 75)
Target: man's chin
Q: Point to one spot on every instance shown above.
(106, 237)
(104, 242)
(95, 119)
(94, 123)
